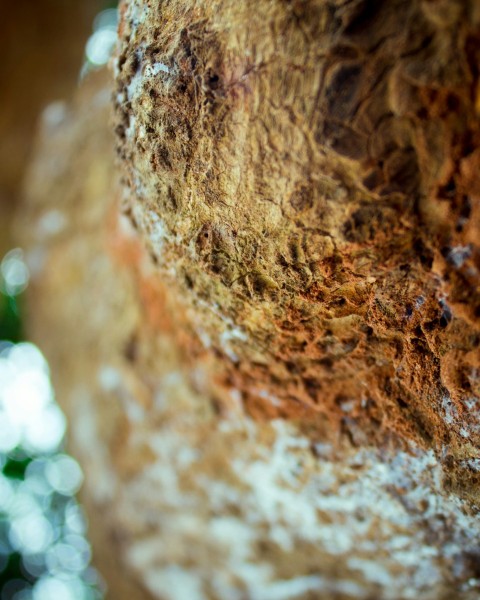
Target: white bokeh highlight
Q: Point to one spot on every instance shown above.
(29, 415)
(39, 516)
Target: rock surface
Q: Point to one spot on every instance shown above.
(264, 329)
(311, 187)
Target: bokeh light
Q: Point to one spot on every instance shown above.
(44, 554)
(14, 272)
(29, 415)
(101, 43)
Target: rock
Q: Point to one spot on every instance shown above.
(262, 321)
(311, 188)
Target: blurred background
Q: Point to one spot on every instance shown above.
(47, 47)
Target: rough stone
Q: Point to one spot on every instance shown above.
(310, 186)
(263, 319)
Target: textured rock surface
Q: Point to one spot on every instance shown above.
(274, 269)
(312, 188)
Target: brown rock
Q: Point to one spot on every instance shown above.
(272, 378)
(311, 188)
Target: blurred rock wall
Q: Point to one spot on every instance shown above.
(42, 46)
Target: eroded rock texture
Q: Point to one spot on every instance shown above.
(263, 322)
(311, 186)
(185, 504)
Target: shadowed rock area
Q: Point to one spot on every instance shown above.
(311, 188)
